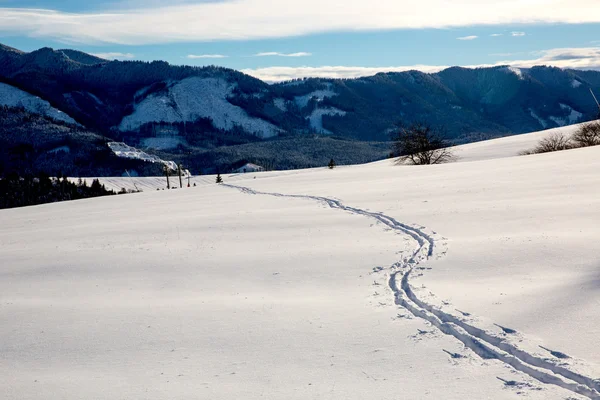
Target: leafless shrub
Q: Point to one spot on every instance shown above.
(420, 144)
(556, 142)
(587, 135)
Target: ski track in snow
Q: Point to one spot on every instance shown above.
(483, 343)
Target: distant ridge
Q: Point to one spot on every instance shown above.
(82, 57)
(192, 113)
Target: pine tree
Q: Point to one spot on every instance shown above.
(219, 179)
(331, 164)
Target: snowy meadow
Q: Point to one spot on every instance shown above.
(469, 280)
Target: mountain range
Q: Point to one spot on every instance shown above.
(191, 114)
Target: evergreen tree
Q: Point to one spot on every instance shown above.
(219, 179)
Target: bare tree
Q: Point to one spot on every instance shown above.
(420, 144)
(555, 142)
(587, 135)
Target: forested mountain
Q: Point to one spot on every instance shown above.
(189, 110)
(31, 144)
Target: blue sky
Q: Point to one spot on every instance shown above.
(314, 37)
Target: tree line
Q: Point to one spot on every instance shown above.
(29, 190)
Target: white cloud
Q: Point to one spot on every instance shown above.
(197, 56)
(468, 37)
(278, 74)
(517, 34)
(256, 19)
(277, 54)
(496, 34)
(574, 58)
(114, 56)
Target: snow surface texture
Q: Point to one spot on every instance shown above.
(13, 97)
(314, 284)
(509, 146)
(194, 98)
(124, 151)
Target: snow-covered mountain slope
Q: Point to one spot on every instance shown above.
(13, 97)
(469, 280)
(193, 98)
(124, 151)
(316, 117)
(573, 116)
(317, 95)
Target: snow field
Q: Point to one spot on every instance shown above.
(474, 279)
(245, 297)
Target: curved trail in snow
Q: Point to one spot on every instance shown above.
(485, 344)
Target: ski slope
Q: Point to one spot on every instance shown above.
(471, 280)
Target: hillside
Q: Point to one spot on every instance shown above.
(469, 280)
(31, 144)
(13, 97)
(128, 94)
(193, 114)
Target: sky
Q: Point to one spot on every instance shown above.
(285, 39)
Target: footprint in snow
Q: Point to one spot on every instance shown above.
(506, 330)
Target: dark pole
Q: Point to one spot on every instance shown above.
(179, 172)
(596, 100)
(167, 174)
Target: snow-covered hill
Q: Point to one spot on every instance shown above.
(509, 146)
(122, 150)
(469, 280)
(194, 98)
(13, 97)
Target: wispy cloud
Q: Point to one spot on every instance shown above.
(496, 34)
(114, 56)
(197, 56)
(277, 54)
(473, 37)
(574, 58)
(517, 34)
(259, 19)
